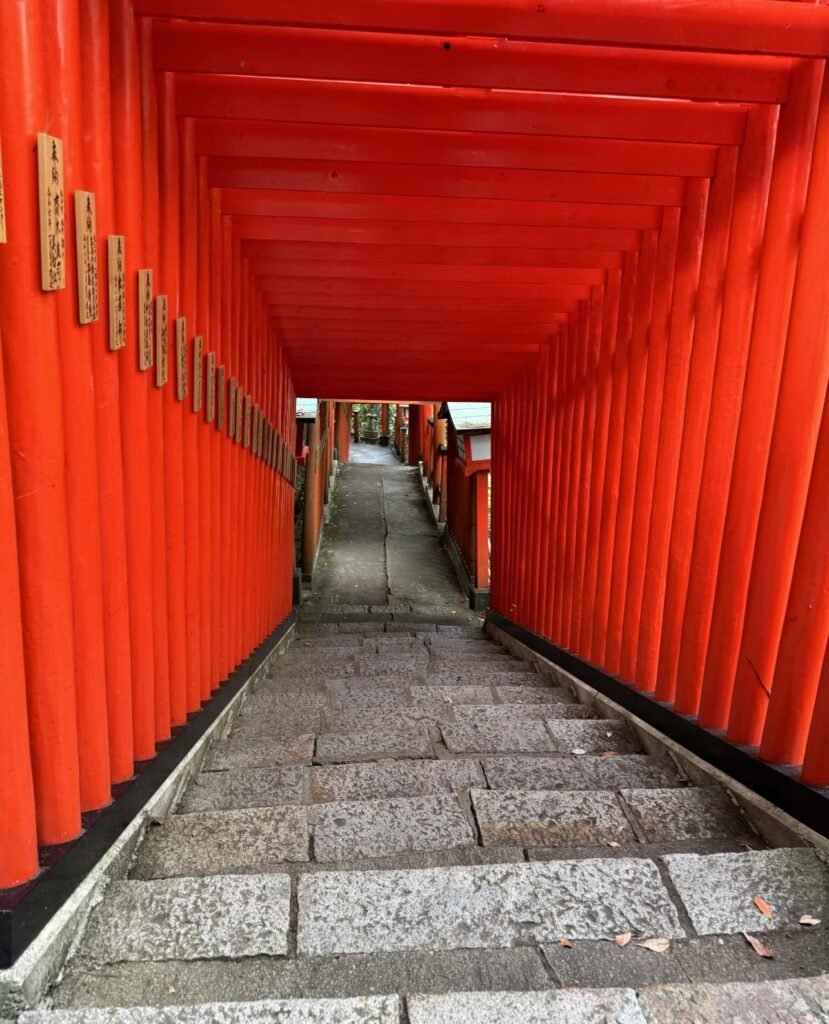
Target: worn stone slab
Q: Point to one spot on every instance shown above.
(381, 719)
(703, 813)
(482, 907)
(511, 714)
(440, 645)
(158, 984)
(592, 737)
(259, 751)
(493, 737)
(718, 890)
(381, 828)
(597, 1006)
(433, 697)
(332, 642)
(365, 1010)
(337, 747)
(192, 918)
(410, 628)
(794, 1001)
(365, 687)
(367, 701)
(381, 781)
(318, 663)
(500, 663)
(475, 675)
(223, 842)
(384, 664)
(244, 787)
(634, 771)
(534, 695)
(548, 818)
(360, 627)
(420, 860)
(275, 723)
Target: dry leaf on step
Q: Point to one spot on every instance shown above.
(578, 750)
(656, 945)
(762, 906)
(623, 939)
(566, 943)
(758, 946)
(809, 920)
(612, 843)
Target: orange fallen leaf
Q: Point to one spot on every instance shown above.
(623, 939)
(656, 945)
(758, 947)
(809, 920)
(762, 906)
(566, 943)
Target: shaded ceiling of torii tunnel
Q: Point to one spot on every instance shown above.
(428, 191)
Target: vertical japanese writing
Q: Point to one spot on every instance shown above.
(145, 319)
(240, 398)
(52, 212)
(3, 237)
(181, 358)
(220, 398)
(254, 430)
(162, 343)
(117, 277)
(210, 385)
(198, 371)
(86, 248)
(231, 410)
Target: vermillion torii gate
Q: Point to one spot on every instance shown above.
(607, 216)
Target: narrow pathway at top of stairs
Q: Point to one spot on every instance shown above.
(408, 824)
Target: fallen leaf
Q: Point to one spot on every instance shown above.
(758, 946)
(448, 699)
(578, 750)
(807, 919)
(612, 843)
(762, 906)
(608, 733)
(566, 943)
(745, 846)
(656, 945)
(623, 939)
(609, 753)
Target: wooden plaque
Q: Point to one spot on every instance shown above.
(117, 279)
(86, 249)
(231, 410)
(3, 237)
(254, 430)
(240, 396)
(161, 340)
(210, 387)
(220, 398)
(198, 372)
(248, 417)
(146, 331)
(52, 205)
(181, 358)
(260, 443)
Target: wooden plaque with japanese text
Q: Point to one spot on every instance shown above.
(146, 329)
(162, 342)
(248, 417)
(240, 397)
(210, 387)
(198, 372)
(231, 409)
(86, 250)
(52, 207)
(220, 398)
(117, 282)
(181, 358)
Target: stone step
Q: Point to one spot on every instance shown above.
(634, 771)
(790, 1001)
(584, 1006)
(244, 787)
(489, 735)
(384, 828)
(401, 742)
(441, 662)
(400, 779)
(224, 842)
(534, 695)
(482, 907)
(366, 1010)
(259, 751)
(192, 919)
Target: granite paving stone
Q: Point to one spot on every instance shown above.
(478, 676)
(379, 828)
(431, 697)
(244, 787)
(482, 907)
(337, 747)
(509, 714)
(226, 842)
(592, 737)
(635, 771)
(523, 736)
(259, 751)
(497, 663)
(276, 723)
(391, 664)
(792, 1001)
(192, 918)
(718, 891)
(585, 1006)
(405, 778)
(366, 1010)
(548, 818)
(367, 701)
(702, 813)
(382, 719)
(534, 695)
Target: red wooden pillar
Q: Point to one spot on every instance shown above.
(481, 520)
(207, 329)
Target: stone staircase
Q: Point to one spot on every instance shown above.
(408, 824)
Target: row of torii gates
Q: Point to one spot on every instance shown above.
(608, 218)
